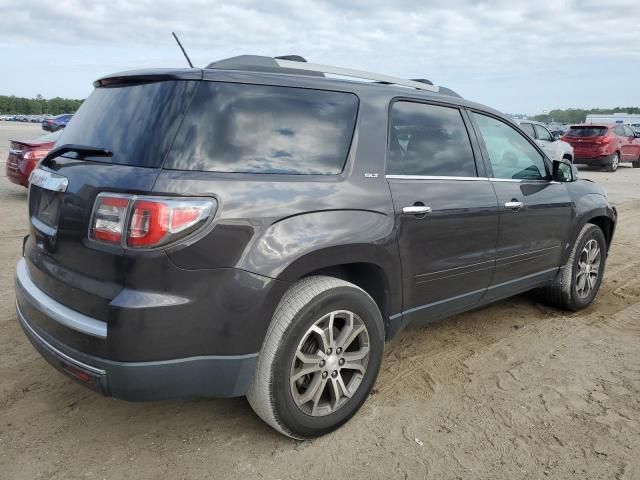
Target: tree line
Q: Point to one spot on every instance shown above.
(12, 105)
(577, 115)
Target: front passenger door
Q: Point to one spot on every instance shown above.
(535, 212)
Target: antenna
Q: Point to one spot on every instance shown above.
(182, 48)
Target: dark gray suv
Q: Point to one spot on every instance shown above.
(257, 228)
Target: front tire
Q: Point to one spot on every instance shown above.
(578, 283)
(320, 358)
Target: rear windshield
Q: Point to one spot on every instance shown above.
(586, 131)
(265, 129)
(135, 122)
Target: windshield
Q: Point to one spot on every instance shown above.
(136, 122)
(586, 131)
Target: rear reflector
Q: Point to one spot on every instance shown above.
(147, 222)
(79, 374)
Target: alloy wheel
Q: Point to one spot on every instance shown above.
(588, 268)
(615, 162)
(330, 363)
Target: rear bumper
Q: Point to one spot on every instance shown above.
(15, 175)
(200, 376)
(601, 160)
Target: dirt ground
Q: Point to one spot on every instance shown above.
(515, 390)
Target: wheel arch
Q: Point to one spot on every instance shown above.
(607, 225)
(369, 267)
(592, 208)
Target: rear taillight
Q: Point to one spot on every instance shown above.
(35, 155)
(145, 221)
(602, 140)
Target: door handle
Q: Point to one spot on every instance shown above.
(416, 210)
(514, 205)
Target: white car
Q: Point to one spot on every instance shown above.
(554, 148)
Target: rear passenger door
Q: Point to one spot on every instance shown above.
(445, 207)
(627, 153)
(535, 212)
(635, 144)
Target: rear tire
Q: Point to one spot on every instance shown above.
(306, 405)
(614, 163)
(579, 281)
(636, 164)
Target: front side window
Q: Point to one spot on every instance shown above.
(510, 154)
(619, 131)
(628, 132)
(543, 134)
(242, 128)
(429, 140)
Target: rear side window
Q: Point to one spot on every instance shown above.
(136, 122)
(543, 134)
(265, 129)
(528, 129)
(429, 140)
(586, 131)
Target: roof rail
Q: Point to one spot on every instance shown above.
(347, 72)
(296, 64)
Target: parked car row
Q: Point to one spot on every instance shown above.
(604, 145)
(23, 118)
(49, 123)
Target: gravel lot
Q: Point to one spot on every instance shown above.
(514, 390)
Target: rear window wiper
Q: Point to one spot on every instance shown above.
(81, 150)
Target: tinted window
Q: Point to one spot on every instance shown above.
(265, 129)
(586, 131)
(543, 134)
(510, 154)
(429, 140)
(528, 129)
(136, 122)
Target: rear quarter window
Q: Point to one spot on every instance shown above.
(241, 128)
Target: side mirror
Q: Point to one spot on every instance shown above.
(556, 135)
(564, 171)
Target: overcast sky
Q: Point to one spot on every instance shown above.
(516, 56)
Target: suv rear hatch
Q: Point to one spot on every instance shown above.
(587, 140)
(134, 118)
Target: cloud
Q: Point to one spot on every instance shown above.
(460, 43)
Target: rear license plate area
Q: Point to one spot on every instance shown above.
(45, 199)
(45, 206)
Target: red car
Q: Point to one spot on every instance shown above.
(24, 155)
(604, 145)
